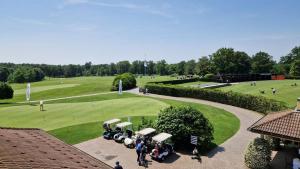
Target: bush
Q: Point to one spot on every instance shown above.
(251, 102)
(184, 121)
(6, 92)
(258, 154)
(128, 81)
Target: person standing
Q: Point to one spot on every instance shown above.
(41, 105)
(138, 149)
(118, 166)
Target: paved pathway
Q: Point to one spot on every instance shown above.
(228, 155)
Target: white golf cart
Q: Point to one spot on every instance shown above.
(110, 129)
(125, 131)
(162, 148)
(144, 134)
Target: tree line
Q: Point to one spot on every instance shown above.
(223, 61)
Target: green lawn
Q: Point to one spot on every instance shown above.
(64, 87)
(78, 119)
(285, 92)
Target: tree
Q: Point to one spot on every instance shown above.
(278, 69)
(258, 154)
(292, 56)
(295, 68)
(128, 81)
(262, 62)
(123, 67)
(204, 66)
(151, 67)
(189, 67)
(6, 92)
(227, 61)
(161, 67)
(184, 121)
(4, 73)
(180, 68)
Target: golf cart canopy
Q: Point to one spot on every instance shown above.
(112, 121)
(123, 124)
(146, 131)
(161, 137)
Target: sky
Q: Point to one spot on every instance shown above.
(105, 31)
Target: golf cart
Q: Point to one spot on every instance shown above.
(108, 127)
(144, 135)
(125, 131)
(163, 147)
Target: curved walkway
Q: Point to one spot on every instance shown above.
(230, 154)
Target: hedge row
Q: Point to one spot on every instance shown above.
(251, 102)
(292, 77)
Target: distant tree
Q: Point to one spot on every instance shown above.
(180, 68)
(161, 67)
(151, 68)
(171, 69)
(204, 66)
(123, 67)
(112, 69)
(6, 92)
(278, 69)
(262, 62)
(295, 68)
(292, 56)
(189, 67)
(4, 73)
(227, 61)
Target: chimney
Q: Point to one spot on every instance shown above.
(298, 105)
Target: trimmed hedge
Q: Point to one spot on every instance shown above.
(258, 154)
(128, 82)
(178, 81)
(6, 92)
(292, 77)
(251, 102)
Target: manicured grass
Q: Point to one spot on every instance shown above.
(66, 114)
(63, 87)
(83, 132)
(285, 92)
(78, 119)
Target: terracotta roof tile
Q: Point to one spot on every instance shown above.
(284, 125)
(34, 148)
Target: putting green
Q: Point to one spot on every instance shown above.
(66, 114)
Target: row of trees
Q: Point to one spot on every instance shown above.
(21, 74)
(223, 61)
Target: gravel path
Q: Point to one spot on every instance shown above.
(228, 155)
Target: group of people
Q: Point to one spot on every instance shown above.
(141, 150)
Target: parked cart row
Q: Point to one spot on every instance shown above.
(159, 145)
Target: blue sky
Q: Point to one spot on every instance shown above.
(104, 31)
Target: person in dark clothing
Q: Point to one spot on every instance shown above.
(138, 149)
(118, 166)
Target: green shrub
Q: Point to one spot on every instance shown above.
(251, 102)
(6, 92)
(184, 121)
(128, 81)
(258, 154)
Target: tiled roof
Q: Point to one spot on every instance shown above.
(34, 148)
(283, 125)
